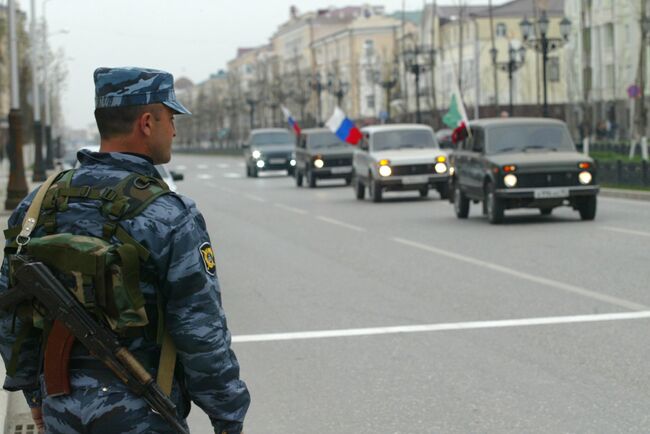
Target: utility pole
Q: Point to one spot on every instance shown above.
(17, 184)
(39, 167)
(642, 128)
(434, 17)
(49, 163)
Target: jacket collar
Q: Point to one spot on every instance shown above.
(128, 162)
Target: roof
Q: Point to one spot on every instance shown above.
(488, 122)
(395, 127)
(514, 8)
(316, 131)
(412, 16)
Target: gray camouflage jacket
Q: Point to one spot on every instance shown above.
(174, 232)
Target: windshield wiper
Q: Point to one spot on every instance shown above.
(508, 149)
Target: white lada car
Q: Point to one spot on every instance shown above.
(399, 157)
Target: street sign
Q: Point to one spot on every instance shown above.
(634, 91)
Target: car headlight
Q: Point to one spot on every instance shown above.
(452, 170)
(510, 180)
(256, 154)
(292, 162)
(440, 167)
(585, 177)
(385, 170)
(318, 163)
(260, 163)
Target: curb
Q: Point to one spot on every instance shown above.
(625, 194)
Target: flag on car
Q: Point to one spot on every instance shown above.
(456, 117)
(343, 127)
(290, 120)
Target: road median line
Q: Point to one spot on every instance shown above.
(340, 223)
(525, 276)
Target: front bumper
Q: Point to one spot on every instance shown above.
(547, 193)
(275, 163)
(413, 182)
(332, 172)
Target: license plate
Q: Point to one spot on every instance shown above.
(551, 193)
(341, 169)
(277, 161)
(415, 180)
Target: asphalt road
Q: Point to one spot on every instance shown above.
(355, 317)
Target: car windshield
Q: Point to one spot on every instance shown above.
(525, 137)
(277, 138)
(325, 140)
(401, 139)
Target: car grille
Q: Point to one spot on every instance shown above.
(281, 154)
(413, 169)
(338, 161)
(555, 179)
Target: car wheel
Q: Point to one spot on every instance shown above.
(587, 207)
(443, 190)
(424, 191)
(374, 190)
(546, 211)
(298, 178)
(493, 204)
(291, 171)
(311, 179)
(359, 188)
(254, 172)
(348, 180)
(461, 203)
(248, 171)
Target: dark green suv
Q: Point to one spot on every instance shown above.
(521, 163)
(321, 155)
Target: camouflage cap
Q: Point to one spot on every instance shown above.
(121, 87)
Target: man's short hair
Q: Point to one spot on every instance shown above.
(119, 121)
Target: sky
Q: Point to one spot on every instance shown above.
(190, 38)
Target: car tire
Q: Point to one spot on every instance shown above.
(254, 172)
(359, 188)
(494, 205)
(348, 180)
(374, 191)
(311, 179)
(587, 207)
(461, 203)
(248, 171)
(546, 211)
(291, 171)
(424, 191)
(443, 190)
(298, 175)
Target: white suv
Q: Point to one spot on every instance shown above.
(399, 157)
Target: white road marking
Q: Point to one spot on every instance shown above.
(340, 223)
(421, 328)
(202, 166)
(232, 175)
(180, 167)
(290, 208)
(530, 277)
(204, 176)
(223, 165)
(255, 198)
(626, 231)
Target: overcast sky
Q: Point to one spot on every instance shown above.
(191, 38)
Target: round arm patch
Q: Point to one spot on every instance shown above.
(207, 254)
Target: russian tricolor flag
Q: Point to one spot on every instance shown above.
(290, 120)
(343, 127)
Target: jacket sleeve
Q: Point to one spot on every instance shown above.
(13, 331)
(196, 321)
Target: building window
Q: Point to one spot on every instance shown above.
(369, 47)
(502, 30)
(370, 101)
(553, 69)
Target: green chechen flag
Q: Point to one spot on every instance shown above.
(453, 116)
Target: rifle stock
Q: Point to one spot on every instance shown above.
(35, 280)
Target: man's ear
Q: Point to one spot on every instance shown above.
(145, 123)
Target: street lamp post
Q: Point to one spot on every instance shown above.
(387, 83)
(337, 87)
(318, 86)
(515, 61)
(252, 104)
(39, 166)
(416, 61)
(543, 44)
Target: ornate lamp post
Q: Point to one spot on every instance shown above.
(516, 57)
(416, 60)
(387, 83)
(337, 87)
(317, 86)
(543, 44)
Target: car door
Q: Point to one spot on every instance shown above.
(360, 157)
(461, 159)
(475, 147)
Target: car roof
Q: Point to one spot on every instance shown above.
(395, 127)
(269, 130)
(316, 131)
(490, 122)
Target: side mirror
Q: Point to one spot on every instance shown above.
(176, 176)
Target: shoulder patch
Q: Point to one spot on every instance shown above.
(207, 254)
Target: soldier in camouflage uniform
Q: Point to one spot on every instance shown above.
(135, 110)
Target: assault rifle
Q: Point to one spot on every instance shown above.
(34, 281)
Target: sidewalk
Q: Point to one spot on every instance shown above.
(625, 194)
